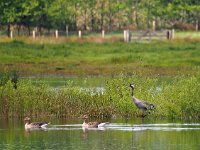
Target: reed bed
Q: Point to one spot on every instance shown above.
(177, 98)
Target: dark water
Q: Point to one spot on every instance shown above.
(118, 135)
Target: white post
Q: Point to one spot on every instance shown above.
(34, 34)
(56, 32)
(172, 34)
(125, 36)
(79, 33)
(197, 25)
(11, 34)
(67, 30)
(103, 33)
(154, 25)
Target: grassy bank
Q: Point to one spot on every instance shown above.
(141, 63)
(175, 99)
(180, 56)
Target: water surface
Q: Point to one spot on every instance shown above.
(118, 135)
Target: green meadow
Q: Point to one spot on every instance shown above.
(107, 58)
(165, 73)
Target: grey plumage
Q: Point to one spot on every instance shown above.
(140, 104)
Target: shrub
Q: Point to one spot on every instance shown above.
(184, 26)
(6, 76)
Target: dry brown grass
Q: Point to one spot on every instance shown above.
(60, 40)
(186, 39)
(118, 37)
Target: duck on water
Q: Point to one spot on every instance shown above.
(87, 124)
(29, 124)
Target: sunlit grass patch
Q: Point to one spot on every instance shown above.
(189, 35)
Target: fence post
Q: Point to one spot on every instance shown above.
(168, 34)
(103, 33)
(124, 35)
(56, 32)
(79, 33)
(11, 34)
(172, 34)
(154, 25)
(128, 36)
(34, 34)
(67, 30)
(197, 25)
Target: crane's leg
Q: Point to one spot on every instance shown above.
(143, 114)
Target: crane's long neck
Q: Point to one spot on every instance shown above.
(132, 92)
(133, 97)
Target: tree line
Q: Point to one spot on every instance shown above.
(94, 15)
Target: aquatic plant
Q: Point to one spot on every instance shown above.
(6, 76)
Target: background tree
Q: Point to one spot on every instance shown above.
(96, 15)
(8, 13)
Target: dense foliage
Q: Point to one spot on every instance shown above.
(98, 14)
(177, 98)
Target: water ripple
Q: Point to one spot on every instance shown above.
(135, 127)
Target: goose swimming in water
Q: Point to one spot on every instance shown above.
(87, 124)
(140, 104)
(29, 124)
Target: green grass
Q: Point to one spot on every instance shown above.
(191, 34)
(109, 58)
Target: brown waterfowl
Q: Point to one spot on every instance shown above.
(87, 124)
(29, 124)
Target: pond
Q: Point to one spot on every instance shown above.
(60, 81)
(147, 134)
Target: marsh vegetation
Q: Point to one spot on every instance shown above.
(177, 98)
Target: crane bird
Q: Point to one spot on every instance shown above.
(87, 124)
(140, 104)
(30, 125)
